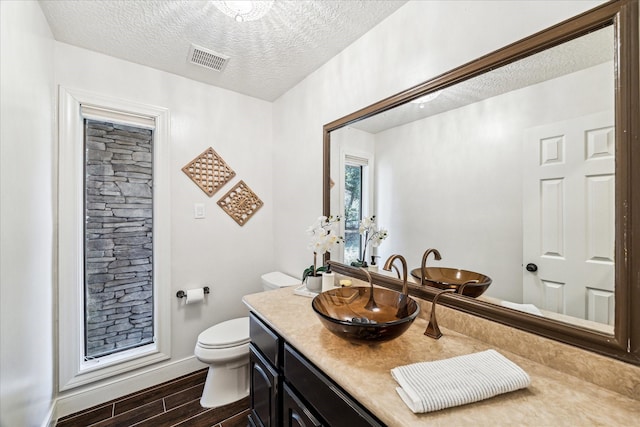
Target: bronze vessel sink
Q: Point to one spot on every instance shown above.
(453, 278)
(348, 313)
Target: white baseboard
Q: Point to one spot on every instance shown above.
(92, 395)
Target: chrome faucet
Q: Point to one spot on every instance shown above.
(423, 269)
(389, 263)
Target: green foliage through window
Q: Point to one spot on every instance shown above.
(352, 212)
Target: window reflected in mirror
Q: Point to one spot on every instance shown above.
(352, 211)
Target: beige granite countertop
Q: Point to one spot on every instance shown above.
(553, 399)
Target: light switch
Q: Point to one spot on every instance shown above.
(198, 211)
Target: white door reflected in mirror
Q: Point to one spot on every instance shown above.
(568, 217)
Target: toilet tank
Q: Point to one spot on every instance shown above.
(277, 280)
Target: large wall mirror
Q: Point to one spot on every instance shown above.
(522, 166)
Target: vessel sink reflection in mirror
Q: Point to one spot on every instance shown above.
(344, 312)
(472, 284)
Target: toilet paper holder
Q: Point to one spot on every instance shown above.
(183, 294)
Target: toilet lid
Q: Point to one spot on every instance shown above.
(277, 279)
(230, 333)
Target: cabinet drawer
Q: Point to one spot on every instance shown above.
(335, 406)
(267, 341)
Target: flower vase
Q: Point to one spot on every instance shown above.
(314, 283)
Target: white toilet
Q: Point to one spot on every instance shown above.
(225, 348)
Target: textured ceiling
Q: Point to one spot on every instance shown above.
(267, 57)
(578, 54)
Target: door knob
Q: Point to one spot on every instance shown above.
(532, 267)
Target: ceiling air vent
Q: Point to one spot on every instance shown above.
(207, 58)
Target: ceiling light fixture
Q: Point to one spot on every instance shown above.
(244, 10)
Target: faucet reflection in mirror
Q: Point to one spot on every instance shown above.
(324, 238)
(423, 265)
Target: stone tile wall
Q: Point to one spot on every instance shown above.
(118, 237)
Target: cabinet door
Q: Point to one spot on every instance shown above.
(264, 391)
(295, 413)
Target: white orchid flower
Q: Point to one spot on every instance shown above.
(323, 234)
(372, 235)
(379, 236)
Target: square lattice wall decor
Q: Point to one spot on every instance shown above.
(240, 203)
(209, 171)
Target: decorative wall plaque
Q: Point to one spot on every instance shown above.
(240, 203)
(209, 171)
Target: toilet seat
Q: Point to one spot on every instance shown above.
(231, 333)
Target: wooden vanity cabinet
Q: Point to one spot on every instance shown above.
(288, 390)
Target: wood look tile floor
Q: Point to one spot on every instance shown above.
(174, 403)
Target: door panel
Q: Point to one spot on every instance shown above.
(552, 220)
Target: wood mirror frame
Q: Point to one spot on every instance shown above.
(624, 344)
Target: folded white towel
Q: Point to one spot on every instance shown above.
(431, 386)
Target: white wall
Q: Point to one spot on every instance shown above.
(476, 152)
(419, 41)
(214, 251)
(27, 215)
